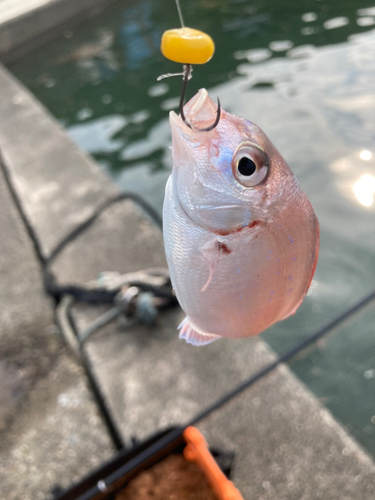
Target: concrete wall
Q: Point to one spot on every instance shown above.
(25, 24)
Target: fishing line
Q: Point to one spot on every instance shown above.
(285, 357)
(180, 13)
(173, 436)
(183, 73)
(188, 46)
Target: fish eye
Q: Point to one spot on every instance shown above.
(249, 165)
(246, 166)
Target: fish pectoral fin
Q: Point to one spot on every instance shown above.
(192, 336)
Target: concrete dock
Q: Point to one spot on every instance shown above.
(26, 24)
(287, 445)
(52, 432)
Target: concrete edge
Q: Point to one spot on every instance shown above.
(26, 32)
(346, 438)
(58, 185)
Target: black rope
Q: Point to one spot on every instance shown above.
(29, 228)
(90, 220)
(97, 295)
(57, 291)
(82, 294)
(175, 434)
(112, 428)
(100, 401)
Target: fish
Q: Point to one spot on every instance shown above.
(241, 237)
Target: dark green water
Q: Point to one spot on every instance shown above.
(304, 71)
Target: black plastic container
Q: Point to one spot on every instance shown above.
(113, 475)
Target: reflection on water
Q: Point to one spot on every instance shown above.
(365, 155)
(97, 135)
(305, 73)
(364, 190)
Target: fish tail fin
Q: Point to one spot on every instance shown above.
(192, 336)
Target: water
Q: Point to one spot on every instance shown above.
(305, 73)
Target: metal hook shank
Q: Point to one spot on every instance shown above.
(187, 76)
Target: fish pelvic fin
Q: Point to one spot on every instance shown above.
(192, 336)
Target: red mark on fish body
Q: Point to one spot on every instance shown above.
(223, 248)
(238, 229)
(316, 256)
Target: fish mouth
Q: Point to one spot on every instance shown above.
(176, 122)
(200, 112)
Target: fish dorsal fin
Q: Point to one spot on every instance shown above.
(192, 336)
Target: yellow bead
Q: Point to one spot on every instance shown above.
(187, 46)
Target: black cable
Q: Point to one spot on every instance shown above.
(97, 295)
(58, 291)
(285, 357)
(82, 294)
(175, 434)
(29, 228)
(90, 220)
(99, 397)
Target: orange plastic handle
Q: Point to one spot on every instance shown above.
(196, 450)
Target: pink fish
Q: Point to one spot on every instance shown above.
(241, 237)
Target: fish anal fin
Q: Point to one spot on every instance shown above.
(192, 336)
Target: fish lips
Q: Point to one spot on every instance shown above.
(200, 113)
(180, 129)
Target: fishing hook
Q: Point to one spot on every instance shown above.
(187, 75)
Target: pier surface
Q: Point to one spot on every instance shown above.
(287, 446)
